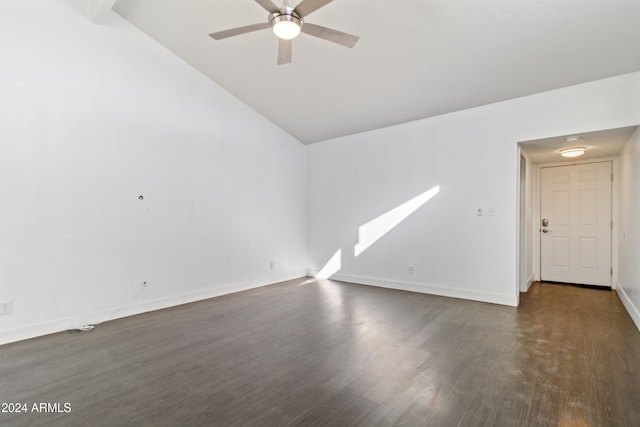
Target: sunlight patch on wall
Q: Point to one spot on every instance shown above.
(332, 266)
(375, 229)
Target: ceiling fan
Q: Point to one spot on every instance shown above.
(287, 22)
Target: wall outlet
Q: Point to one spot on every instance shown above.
(412, 269)
(6, 307)
(479, 212)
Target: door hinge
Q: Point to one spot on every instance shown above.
(611, 176)
(611, 271)
(612, 225)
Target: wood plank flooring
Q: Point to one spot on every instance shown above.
(320, 353)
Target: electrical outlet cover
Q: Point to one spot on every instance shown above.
(6, 307)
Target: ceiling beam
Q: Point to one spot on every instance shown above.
(98, 8)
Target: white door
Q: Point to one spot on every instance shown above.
(575, 229)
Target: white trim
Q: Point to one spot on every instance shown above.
(530, 281)
(520, 235)
(615, 217)
(423, 288)
(530, 209)
(576, 162)
(628, 304)
(96, 318)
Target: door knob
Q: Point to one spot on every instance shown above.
(544, 230)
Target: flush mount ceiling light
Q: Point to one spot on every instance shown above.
(573, 151)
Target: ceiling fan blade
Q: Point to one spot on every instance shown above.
(325, 33)
(240, 30)
(268, 5)
(307, 7)
(284, 51)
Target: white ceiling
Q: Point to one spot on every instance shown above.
(415, 58)
(605, 143)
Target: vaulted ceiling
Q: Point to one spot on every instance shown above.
(414, 59)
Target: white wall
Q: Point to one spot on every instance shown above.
(91, 117)
(629, 228)
(473, 156)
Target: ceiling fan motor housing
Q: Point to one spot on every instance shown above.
(283, 18)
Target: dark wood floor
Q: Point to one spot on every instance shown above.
(329, 353)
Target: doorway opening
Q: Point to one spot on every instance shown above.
(542, 157)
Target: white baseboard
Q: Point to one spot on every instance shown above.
(629, 305)
(96, 318)
(530, 281)
(426, 289)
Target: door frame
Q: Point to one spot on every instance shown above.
(614, 212)
(524, 242)
(522, 223)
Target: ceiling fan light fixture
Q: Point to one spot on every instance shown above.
(573, 151)
(286, 26)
